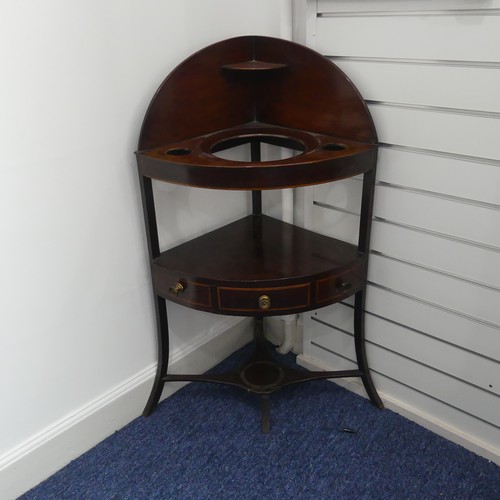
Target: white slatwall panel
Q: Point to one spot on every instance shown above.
(455, 176)
(433, 130)
(399, 7)
(384, 81)
(454, 217)
(436, 389)
(411, 37)
(430, 73)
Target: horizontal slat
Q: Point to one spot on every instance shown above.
(454, 361)
(391, 6)
(473, 37)
(450, 218)
(467, 261)
(339, 315)
(456, 329)
(461, 220)
(455, 177)
(430, 320)
(438, 131)
(336, 224)
(450, 177)
(430, 72)
(438, 85)
(441, 386)
(454, 294)
(344, 194)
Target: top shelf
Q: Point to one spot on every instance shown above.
(214, 101)
(195, 161)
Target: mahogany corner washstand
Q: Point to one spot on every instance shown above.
(254, 90)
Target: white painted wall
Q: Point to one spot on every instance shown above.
(76, 316)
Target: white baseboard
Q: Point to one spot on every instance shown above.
(45, 453)
(414, 414)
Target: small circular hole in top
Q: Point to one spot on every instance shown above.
(334, 146)
(178, 151)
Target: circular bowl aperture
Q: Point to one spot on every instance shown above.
(294, 146)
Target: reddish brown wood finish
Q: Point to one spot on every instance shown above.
(256, 87)
(257, 90)
(310, 93)
(191, 162)
(258, 255)
(198, 98)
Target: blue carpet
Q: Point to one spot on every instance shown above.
(205, 443)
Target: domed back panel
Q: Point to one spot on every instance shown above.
(312, 94)
(255, 79)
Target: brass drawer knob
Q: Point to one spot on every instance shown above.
(176, 289)
(264, 302)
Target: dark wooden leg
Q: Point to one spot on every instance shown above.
(262, 353)
(163, 352)
(359, 342)
(160, 305)
(265, 424)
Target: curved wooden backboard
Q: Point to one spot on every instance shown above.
(254, 78)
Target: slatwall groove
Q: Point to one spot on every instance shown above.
(418, 62)
(416, 373)
(435, 234)
(390, 82)
(436, 271)
(333, 327)
(402, 6)
(347, 358)
(467, 37)
(447, 292)
(419, 332)
(423, 192)
(413, 13)
(409, 227)
(443, 196)
(434, 266)
(443, 154)
(425, 231)
(455, 406)
(410, 342)
(383, 216)
(469, 222)
(434, 192)
(450, 310)
(381, 346)
(338, 209)
(488, 279)
(438, 131)
(436, 109)
(450, 341)
(399, 382)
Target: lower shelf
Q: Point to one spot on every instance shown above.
(263, 374)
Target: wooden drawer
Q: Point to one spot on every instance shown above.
(189, 293)
(264, 300)
(337, 287)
